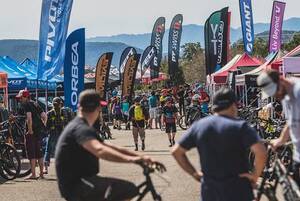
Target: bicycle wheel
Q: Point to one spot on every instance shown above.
(182, 122)
(10, 162)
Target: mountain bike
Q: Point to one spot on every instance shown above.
(276, 173)
(16, 130)
(147, 186)
(186, 120)
(9, 159)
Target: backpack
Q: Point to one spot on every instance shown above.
(138, 113)
(37, 123)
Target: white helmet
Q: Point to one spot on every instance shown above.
(196, 97)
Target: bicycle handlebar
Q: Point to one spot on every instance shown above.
(148, 169)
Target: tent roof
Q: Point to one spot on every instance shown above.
(11, 73)
(240, 79)
(294, 53)
(243, 61)
(12, 64)
(228, 65)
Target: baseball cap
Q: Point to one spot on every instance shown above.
(223, 98)
(268, 81)
(23, 93)
(56, 100)
(103, 103)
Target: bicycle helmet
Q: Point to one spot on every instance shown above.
(196, 97)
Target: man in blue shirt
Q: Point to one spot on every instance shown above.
(153, 109)
(223, 142)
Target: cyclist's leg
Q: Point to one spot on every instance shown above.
(135, 137)
(168, 131)
(173, 129)
(142, 136)
(97, 188)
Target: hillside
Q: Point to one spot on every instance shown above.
(21, 49)
(191, 33)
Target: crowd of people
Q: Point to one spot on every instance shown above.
(158, 109)
(222, 139)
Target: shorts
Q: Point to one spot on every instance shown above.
(170, 128)
(98, 188)
(118, 117)
(153, 113)
(34, 146)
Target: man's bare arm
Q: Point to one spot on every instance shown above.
(179, 154)
(29, 122)
(100, 150)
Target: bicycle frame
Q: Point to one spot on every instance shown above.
(147, 186)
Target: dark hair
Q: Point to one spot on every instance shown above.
(274, 75)
(152, 93)
(89, 100)
(223, 99)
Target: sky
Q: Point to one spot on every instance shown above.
(20, 18)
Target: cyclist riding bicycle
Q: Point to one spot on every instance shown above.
(194, 110)
(77, 154)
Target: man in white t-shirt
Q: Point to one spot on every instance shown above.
(288, 92)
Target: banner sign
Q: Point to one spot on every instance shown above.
(157, 41)
(216, 34)
(74, 68)
(174, 45)
(129, 51)
(53, 32)
(147, 58)
(129, 75)
(276, 26)
(102, 73)
(247, 25)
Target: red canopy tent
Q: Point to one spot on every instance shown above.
(244, 60)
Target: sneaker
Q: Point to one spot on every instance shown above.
(170, 145)
(173, 141)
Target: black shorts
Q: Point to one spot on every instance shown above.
(98, 188)
(170, 128)
(119, 117)
(34, 146)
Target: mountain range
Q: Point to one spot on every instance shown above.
(191, 33)
(21, 49)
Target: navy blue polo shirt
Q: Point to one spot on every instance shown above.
(223, 144)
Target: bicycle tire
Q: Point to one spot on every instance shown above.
(10, 162)
(158, 198)
(181, 122)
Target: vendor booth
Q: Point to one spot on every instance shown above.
(291, 66)
(245, 83)
(239, 64)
